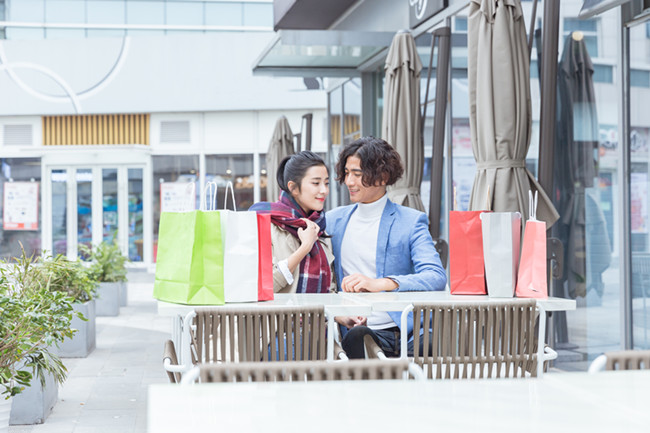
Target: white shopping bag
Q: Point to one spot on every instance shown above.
(240, 253)
(501, 240)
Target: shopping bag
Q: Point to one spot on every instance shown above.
(240, 253)
(265, 269)
(466, 266)
(532, 278)
(501, 240)
(189, 266)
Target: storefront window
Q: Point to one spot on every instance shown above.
(237, 169)
(135, 214)
(176, 169)
(20, 180)
(640, 193)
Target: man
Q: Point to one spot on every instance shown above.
(378, 245)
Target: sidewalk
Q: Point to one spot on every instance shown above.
(107, 391)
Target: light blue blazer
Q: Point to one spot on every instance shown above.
(405, 250)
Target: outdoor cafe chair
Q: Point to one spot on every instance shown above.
(170, 362)
(621, 360)
(300, 371)
(475, 340)
(256, 334)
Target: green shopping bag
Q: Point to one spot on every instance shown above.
(189, 266)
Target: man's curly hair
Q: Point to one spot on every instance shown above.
(379, 161)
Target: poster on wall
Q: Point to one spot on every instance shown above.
(20, 211)
(177, 197)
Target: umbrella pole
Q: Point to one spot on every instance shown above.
(443, 35)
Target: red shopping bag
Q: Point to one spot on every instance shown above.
(531, 278)
(265, 262)
(466, 266)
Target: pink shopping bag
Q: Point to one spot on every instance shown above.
(466, 266)
(532, 278)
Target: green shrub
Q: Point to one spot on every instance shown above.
(108, 262)
(33, 318)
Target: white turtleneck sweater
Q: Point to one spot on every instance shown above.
(359, 249)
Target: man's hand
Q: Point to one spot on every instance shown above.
(361, 283)
(351, 321)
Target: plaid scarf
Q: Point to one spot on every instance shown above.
(315, 274)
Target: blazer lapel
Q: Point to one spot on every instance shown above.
(387, 220)
(337, 239)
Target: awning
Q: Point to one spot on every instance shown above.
(591, 8)
(320, 53)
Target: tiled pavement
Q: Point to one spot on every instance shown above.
(107, 391)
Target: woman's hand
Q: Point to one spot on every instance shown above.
(309, 234)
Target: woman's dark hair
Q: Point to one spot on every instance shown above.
(294, 167)
(379, 161)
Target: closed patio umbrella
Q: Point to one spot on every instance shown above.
(401, 118)
(281, 145)
(500, 110)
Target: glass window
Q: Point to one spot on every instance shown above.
(573, 24)
(59, 179)
(585, 193)
(184, 13)
(105, 12)
(640, 191)
(135, 214)
(31, 11)
(603, 74)
(11, 237)
(224, 14)
(460, 24)
(84, 179)
(639, 78)
(237, 169)
(65, 11)
(109, 204)
(263, 177)
(145, 12)
(172, 168)
(258, 14)
(352, 110)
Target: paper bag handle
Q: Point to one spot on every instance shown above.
(211, 193)
(232, 195)
(532, 206)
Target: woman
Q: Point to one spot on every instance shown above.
(302, 253)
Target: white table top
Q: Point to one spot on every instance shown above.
(361, 304)
(397, 301)
(557, 402)
(335, 304)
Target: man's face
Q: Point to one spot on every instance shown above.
(358, 192)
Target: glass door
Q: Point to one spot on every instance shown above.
(93, 204)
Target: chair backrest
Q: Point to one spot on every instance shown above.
(628, 360)
(305, 371)
(169, 352)
(483, 339)
(246, 333)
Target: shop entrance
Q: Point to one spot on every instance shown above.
(97, 198)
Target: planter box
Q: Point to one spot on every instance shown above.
(107, 302)
(124, 293)
(34, 404)
(5, 412)
(83, 341)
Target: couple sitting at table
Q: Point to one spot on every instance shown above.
(377, 245)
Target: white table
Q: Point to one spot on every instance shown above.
(556, 402)
(346, 304)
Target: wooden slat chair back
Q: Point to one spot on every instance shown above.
(254, 334)
(304, 371)
(476, 340)
(628, 360)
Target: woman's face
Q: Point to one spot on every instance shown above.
(313, 190)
